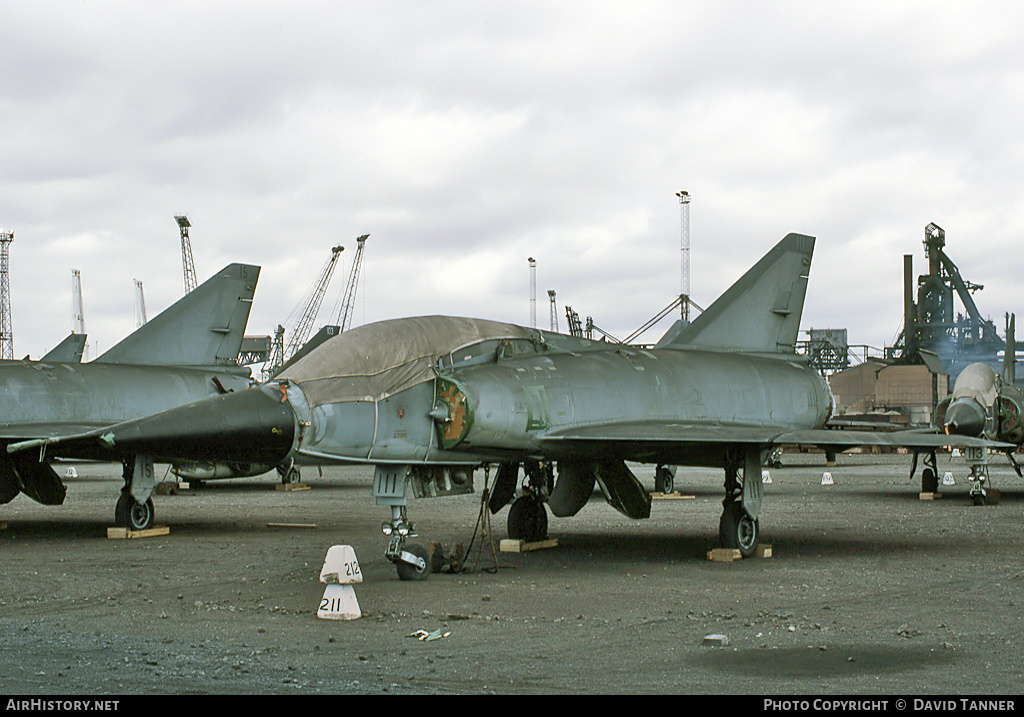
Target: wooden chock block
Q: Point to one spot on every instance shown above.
(508, 545)
(725, 555)
(125, 534)
(930, 496)
(291, 486)
(763, 551)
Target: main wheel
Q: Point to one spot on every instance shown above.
(132, 514)
(408, 571)
(664, 480)
(929, 481)
(736, 529)
(528, 519)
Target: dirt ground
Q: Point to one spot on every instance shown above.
(870, 590)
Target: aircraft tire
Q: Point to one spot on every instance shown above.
(121, 509)
(131, 514)
(929, 481)
(140, 515)
(527, 519)
(408, 571)
(978, 498)
(737, 530)
(664, 481)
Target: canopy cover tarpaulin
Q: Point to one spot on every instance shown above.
(372, 362)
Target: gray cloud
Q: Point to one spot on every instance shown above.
(465, 137)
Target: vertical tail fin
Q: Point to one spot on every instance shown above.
(203, 328)
(69, 350)
(761, 311)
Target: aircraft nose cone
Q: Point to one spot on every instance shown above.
(965, 417)
(255, 426)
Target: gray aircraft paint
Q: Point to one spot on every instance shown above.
(181, 356)
(428, 399)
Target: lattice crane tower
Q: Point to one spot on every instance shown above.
(316, 296)
(186, 253)
(554, 310)
(6, 331)
(349, 297)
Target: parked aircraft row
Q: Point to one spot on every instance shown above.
(430, 401)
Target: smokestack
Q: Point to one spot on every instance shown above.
(1010, 353)
(909, 310)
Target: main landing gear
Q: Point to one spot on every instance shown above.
(134, 507)
(527, 516)
(976, 460)
(738, 528)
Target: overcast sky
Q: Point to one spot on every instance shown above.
(465, 137)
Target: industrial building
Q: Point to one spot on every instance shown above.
(903, 387)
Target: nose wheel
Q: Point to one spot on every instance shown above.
(412, 560)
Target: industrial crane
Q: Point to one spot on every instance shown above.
(301, 331)
(186, 253)
(344, 317)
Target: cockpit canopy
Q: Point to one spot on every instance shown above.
(372, 362)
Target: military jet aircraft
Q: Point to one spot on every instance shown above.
(186, 353)
(984, 404)
(430, 400)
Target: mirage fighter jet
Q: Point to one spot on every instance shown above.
(984, 404)
(186, 353)
(429, 401)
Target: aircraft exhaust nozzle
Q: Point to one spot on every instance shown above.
(255, 426)
(965, 417)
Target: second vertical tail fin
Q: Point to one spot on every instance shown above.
(761, 311)
(203, 328)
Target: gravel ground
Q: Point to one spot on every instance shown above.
(870, 591)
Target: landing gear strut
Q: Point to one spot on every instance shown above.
(930, 474)
(527, 517)
(977, 461)
(289, 473)
(389, 488)
(412, 561)
(738, 527)
(134, 508)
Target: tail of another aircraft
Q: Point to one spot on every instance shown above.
(69, 350)
(203, 328)
(761, 311)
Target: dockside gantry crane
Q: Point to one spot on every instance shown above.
(316, 295)
(344, 318)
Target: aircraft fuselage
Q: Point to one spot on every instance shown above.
(505, 409)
